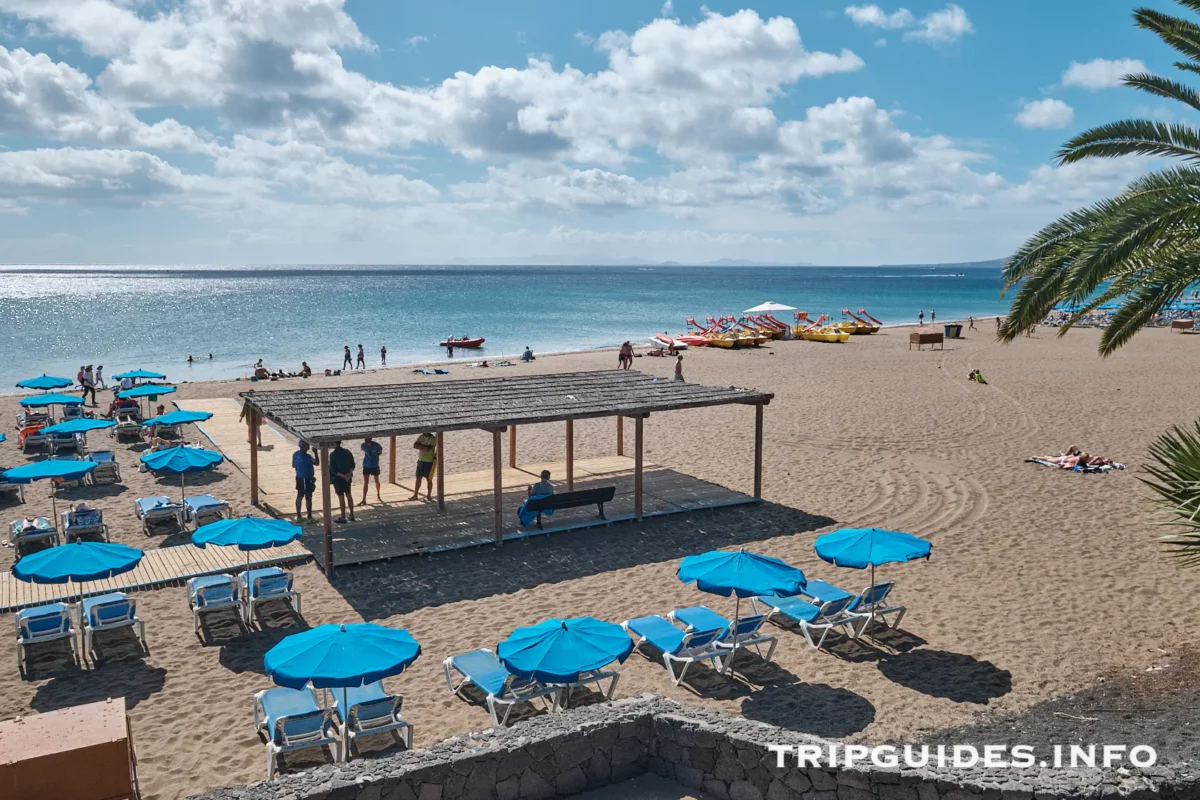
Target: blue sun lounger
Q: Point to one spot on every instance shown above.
(871, 601)
(266, 584)
(202, 509)
(746, 632)
(109, 612)
(214, 593)
(371, 711)
(503, 690)
(44, 624)
(676, 646)
(292, 721)
(811, 617)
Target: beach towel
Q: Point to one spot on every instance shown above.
(432, 371)
(528, 517)
(1088, 469)
(88, 518)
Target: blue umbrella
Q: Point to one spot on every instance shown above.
(77, 562)
(247, 533)
(44, 382)
(141, 374)
(179, 417)
(67, 469)
(860, 548)
(180, 461)
(3, 437)
(44, 400)
(340, 656)
(559, 650)
(81, 425)
(741, 574)
(146, 390)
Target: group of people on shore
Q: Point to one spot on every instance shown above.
(359, 361)
(341, 473)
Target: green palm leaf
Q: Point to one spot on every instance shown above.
(1175, 479)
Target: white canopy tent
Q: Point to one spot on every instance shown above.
(768, 307)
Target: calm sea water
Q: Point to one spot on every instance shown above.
(53, 319)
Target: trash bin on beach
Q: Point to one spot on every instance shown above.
(953, 331)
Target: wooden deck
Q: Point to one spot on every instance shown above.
(166, 565)
(383, 533)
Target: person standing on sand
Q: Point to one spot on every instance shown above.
(362, 359)
(920, 318)
(625, 356)
(932, 316)
(305, 464)
(997, 324)
(347, 359)
(371, 451)
(426, 447)
(100, 377)
(88, 383)
(970, 323)
(341, 473)
(383, 356)
(679, 367)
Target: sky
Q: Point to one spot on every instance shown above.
(555, 131)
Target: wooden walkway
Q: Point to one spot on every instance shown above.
(166, 565)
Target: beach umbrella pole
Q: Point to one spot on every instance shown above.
(345, 727)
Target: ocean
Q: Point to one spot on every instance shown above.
(52, 319)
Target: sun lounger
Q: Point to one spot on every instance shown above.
(203, 509)
(129, 424)
(26, 531)
(77, 524)
(154, 511)
(266, 585)
(62, 442)
(369, 710)
(872, 602)
(214, 593)
(44, 624)
(108, 470)
(17, 490)
(31, 437)
(503, 690)
(74, 412)
(676, 646)
(597, 677)
(746, 632)
(108, 612)
(292, 721)
(811, 617)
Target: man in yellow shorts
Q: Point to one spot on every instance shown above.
(426, 447)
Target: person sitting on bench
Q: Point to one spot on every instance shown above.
(543, 487)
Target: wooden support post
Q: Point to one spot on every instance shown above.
(637, 467)
(251, 430)
(441, 472)
(512, 447)
(758, 439)
(326, 510)
(620, 436)
(392, 460)
(497, 487)
(570, 455)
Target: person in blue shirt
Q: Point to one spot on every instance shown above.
(371, 451)
(305, 464)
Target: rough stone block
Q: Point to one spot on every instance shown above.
(534, 786)
(626, 751)
(689, 777)
(749, 758)
(659, 767)
(623, 772)
(744, 790)
(853, 778)
(572, 754)
(628, 729)
(778, 790)
(509, 788)
(605, 737)
(685, 735)
(894, 791)
(540, 749)
(514, 763)
(927, 791)
(704, 737)
(401, 791)
(371, 792)
(815, 795)
(664, 730)
(845, 792)
(822, 781)
(704, 758)
(429, 791)
(597, 770)
(452, 789)
(797, 781)
(669, 751)
(573, 781)
(717, 789)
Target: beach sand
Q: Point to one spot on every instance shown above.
(1041, 581)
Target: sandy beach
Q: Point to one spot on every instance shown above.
(1041, 581)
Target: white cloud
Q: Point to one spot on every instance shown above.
(668, 8)
(875, 16)
(416, 41)
(941, 27)
(1101, 73)
(1048, 113)
(881, 42)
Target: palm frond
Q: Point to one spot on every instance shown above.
(1180, 34)
(1133, 137)
(1174, 476)
(1164, 87)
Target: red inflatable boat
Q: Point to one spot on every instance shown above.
(476, 342)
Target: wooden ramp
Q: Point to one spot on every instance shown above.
(166, 565)
(277, 479)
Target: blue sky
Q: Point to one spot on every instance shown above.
(285, 131)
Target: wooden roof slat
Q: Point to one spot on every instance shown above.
(329, 414)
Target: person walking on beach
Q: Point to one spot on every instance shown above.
(341, 473)
(383, 356)
(932, 316)
(371, 451)
(997, 324)
(920, 318)
(88, 383)
(100, 377)
(679, 367)
(970, 323)
(426, 447)
(625, 356)
(362, 359)
(305, 464)
(347, 359)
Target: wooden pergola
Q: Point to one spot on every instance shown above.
(324, 416)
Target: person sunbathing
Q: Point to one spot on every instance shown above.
(1067, 461)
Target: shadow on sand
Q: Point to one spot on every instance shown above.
(954, 676)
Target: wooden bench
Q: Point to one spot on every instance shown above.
(1183, 324)
(920, 338)
(584, 497)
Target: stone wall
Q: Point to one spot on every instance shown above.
(727, 757)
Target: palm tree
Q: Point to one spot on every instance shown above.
(1175, 478)
(1143, 244)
